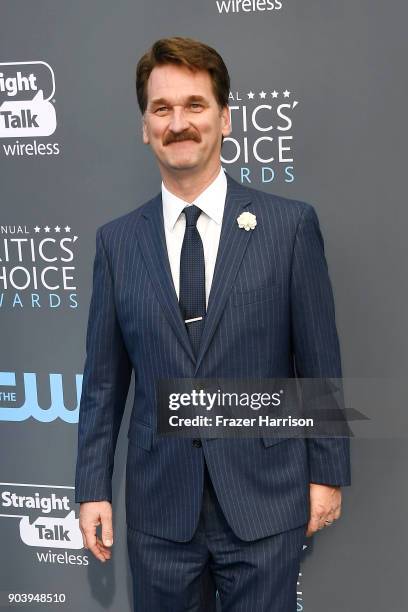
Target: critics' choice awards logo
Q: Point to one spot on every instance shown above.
(37, 267)
(299, 593)
(26, 107)
(300, 604)
(261, 143)
(46, 519)
(248, 6)
(19, 399)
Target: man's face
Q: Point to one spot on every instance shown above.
(183, 122)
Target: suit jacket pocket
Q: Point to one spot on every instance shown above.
(262, 294)
(141, 435)
(271, 441)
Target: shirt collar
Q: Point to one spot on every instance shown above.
(211, 201)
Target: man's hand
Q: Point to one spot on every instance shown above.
(92, 514)
(325, 506)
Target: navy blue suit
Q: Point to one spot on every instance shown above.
(270, 314)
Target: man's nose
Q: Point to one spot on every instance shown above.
(178, 122)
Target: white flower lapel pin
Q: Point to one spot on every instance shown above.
(247, 221)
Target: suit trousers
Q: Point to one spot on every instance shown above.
(255, 576)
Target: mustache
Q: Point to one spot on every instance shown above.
(180, 137)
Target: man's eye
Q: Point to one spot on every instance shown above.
(161, 108)
(196, 105)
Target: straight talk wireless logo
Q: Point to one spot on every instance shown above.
(248, 6)
(27, 108)
(45, 518)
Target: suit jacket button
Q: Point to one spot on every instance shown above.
(197, 443)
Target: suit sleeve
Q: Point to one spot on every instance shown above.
(315, 341)
(105, 386)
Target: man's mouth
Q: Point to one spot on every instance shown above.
(182, 141)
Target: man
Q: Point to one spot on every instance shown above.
(180, 290)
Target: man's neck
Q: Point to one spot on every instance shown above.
(189, 186)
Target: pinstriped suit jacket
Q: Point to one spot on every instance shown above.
(270, 314)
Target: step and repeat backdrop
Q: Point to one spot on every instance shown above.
(318, 93)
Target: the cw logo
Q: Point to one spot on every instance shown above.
(30, 407)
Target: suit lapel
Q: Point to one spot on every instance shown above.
(231, 249)
(152, 241)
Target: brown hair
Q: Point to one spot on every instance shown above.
(188, 52)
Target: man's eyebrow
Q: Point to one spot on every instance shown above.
(192, 98)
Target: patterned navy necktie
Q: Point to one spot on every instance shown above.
(192, 278)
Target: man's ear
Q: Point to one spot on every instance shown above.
(226, 121)
(144, 132)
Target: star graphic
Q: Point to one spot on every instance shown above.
(274, 93)
(57, 228)
(37, 229)
(286, 93)
(262, 94)
(47, 229)
(67, 228)
(250, 95)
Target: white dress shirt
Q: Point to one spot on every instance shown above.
(211, 201)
